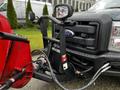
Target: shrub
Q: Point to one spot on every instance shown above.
(45, 12)
(28, 9)
(11, 14)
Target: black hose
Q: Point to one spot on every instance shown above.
(9, 82)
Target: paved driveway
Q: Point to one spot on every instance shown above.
(103, 83)
(34, 85)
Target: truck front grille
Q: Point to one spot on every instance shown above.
(90, 36)
(85, 38)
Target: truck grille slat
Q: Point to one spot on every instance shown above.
(84, 29)
(82, 41)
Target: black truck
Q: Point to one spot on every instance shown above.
(84, 42)
(92, 39)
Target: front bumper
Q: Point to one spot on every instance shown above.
(99, 60)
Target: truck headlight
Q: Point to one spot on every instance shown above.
(114, 44)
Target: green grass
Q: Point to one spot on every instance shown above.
(34, 35)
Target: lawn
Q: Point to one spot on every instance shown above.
(34, 35)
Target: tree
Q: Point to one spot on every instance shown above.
(28, 10)
(11, 14)
(45, 12)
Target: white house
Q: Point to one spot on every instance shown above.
(77, 4)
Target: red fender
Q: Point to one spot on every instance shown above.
(14, 55)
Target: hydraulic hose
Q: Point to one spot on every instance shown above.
(13, 79)
(94, 79)
(104, 68)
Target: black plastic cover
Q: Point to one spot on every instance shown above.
(102, 30)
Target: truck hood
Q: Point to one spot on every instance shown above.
(113, 13)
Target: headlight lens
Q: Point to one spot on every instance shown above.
(114, 44)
